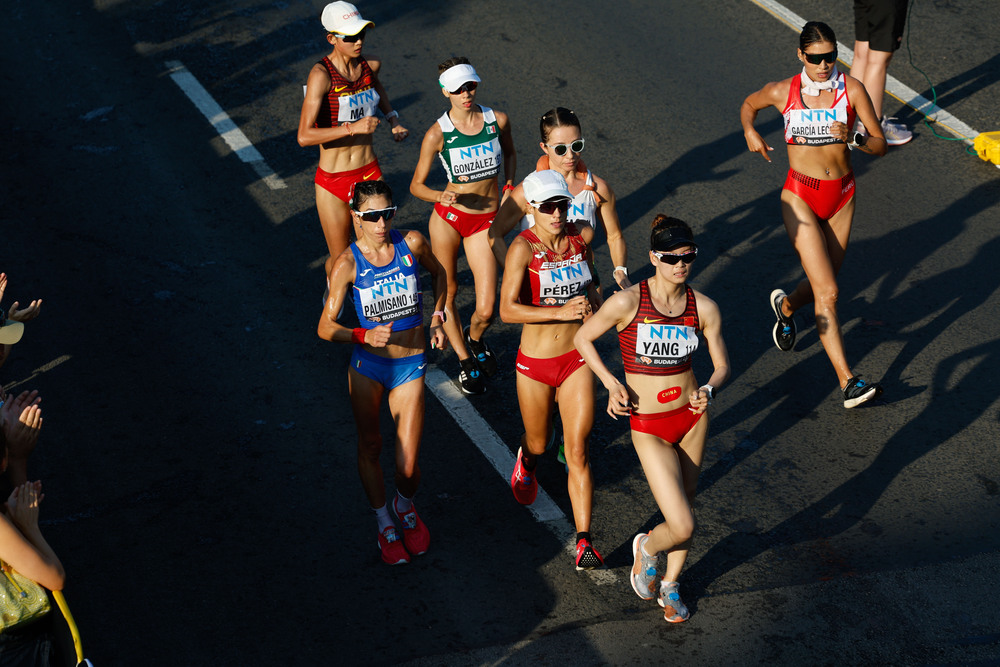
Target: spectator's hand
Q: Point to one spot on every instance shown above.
(13, 406)
(25, 314)
(22, 433)
(22, 506)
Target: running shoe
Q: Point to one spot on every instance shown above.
(523, 483)
(482, 352)
(784, 331)
(896, 134)
(857, 392)
(643, 569)
(674, 610)
(393, 551)
(471, 378)
(587, 557)
(416, 537)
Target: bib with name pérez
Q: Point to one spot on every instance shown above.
(658, 344)
(554, 279)
(467, 158)
(389, 293)
(811, 127)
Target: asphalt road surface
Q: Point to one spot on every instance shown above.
(198, 451)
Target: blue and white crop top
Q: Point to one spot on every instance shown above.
(389, 293)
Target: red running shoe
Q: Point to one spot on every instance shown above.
(587, 557)
(416, 537)
(393, 551)
(523, 483)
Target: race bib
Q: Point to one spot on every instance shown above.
(356, 106)
(390, 299)
(475, 163)
(664, 345)
(811, 127)
(558, 282)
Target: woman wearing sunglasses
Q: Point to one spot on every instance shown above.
(547, 287)
(593, 202)
(659, 322)
(819, 107)
(388, 355)
(472, 142)
(338, 115)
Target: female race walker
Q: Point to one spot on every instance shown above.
(472, 142)
(547, 286)
(819, 107)
(593, 202)
(388, 355)
(338, 115)
(658, 323)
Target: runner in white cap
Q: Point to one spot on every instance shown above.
(593, 202)
(338, 115)
(472, 142)
(548, 287)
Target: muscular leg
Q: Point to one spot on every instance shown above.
(406, 404)
(366, 396)
(535, 400)
(484, 273)
(577, 413)
(672, 473)
(335, 218)
(821, 246)
(444, 244)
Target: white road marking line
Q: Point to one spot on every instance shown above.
(502, 460)
(893, 86)
(223, 124)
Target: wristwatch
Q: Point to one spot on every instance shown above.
(857, 139)
(710, 389)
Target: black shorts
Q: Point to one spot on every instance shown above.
(880, 23)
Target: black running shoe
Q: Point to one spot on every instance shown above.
(482, 352)
(784, 329)
(471, 378)
(857, 392)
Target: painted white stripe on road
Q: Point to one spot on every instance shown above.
(223, 124)
(893, 86)
(500, 457)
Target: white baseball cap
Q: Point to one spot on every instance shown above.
(546, 185)
(343, 18)
(453, 77)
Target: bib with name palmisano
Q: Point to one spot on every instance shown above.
(388, 293)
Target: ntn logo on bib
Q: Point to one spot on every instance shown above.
(664, 344)
(357, 105)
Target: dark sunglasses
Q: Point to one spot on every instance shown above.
(672, 258)
(467, 86)
(560, 149)
(550, 207)
(374, 214)
(350, 39)
(817, 58)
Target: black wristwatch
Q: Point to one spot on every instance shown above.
(859, 139)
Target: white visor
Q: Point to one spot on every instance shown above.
(453, 77)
